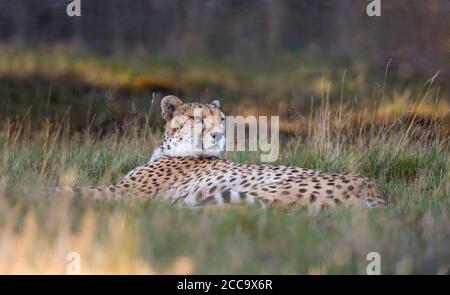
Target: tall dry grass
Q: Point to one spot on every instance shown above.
(409, 161)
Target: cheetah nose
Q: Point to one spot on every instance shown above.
(217, 135)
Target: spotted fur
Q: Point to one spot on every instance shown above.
(202, 181)
(207, 181)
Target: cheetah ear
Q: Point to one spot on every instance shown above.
(216, 103)
(168, 106)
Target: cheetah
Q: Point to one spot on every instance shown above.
(187, 169)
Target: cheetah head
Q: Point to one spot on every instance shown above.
(191, 129)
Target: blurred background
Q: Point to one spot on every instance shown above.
(79, 105)
(257, 56)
